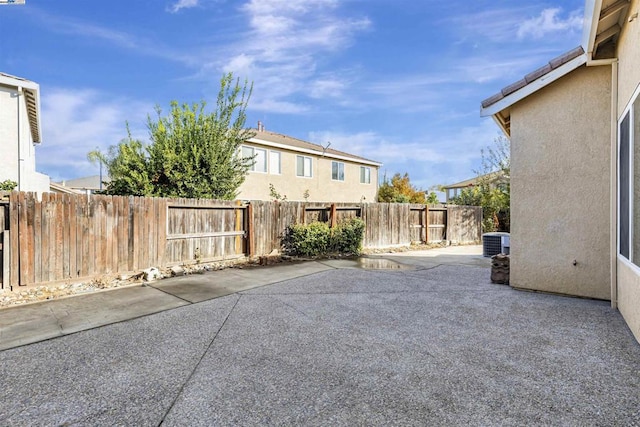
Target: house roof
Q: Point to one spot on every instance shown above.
(31, 92)
(603, 22)
(59, 188)
(492, 176)
(283, 141)
(498, 104)
(85, 183)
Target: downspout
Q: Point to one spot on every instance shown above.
(613, 178)
(614, 185)
(18, 94)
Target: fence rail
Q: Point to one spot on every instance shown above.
(64, 236)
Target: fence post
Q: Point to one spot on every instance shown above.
(334, 216)
(426, 223)
(238, 227)
(6, 259)
(250, 232)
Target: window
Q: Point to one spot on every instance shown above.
(259, 158)
(275, 164)
(365, 175)
(629, 182)
(304, 166)
(337, 171)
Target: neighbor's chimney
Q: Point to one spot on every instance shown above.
(260, 126)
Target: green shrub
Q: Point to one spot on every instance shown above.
(8, 185)
(318, 239)
(308, 240)
(348, 236)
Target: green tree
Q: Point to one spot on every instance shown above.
(493, 190)
(191, 153)
(432, 198)
(400, 190)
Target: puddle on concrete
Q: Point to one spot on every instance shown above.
(381, 264)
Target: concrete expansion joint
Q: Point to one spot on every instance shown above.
(147, 285)
(199, 362)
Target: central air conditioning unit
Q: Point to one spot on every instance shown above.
(495, 243)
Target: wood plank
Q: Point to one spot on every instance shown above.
(45, 238)
(37, 241)
(93, 246)
(162, 232)
(66, 236)
(23, 248)
(73, 236)
(109, 237)
(59, 242)
(135, 240)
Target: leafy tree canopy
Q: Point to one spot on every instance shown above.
(400, 190)
(492, 190)
(191, 153)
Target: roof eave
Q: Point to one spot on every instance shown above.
(34, 89)
(534, 86)
(592, 10)
(317, 153)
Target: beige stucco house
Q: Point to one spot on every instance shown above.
(20, 132)
(296, 168)
(574, 126)
(494, 179)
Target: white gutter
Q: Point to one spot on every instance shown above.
(613, 188)
(20, 159)
(590, 26)
(314, 152)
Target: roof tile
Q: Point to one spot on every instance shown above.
(492, 100)
(514, 87)
(533, 76)
(294, 142)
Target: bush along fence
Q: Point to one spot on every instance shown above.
(68, 237)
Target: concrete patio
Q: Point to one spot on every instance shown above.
(428, 341)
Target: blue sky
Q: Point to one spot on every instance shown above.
(397, 81)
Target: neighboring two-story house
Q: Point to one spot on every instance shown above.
(20, 132)
(302, 171)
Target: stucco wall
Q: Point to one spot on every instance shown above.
(321, 187)
(628, 286)
(560, 164)
(629, 296)
(8, 135)
(14, 132)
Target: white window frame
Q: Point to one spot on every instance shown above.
(633, 141)
(304, 173)
(363, 179)
(255, 159)
(279, 168)
(340, 166)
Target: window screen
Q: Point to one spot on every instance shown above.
(624, 171)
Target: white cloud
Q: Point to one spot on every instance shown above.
(550, 21)
(183, 4)
(442, 157)
(76, 121)
(283, 47)
(327, 87)
(122, 39)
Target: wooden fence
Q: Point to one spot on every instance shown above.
(63, 236)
